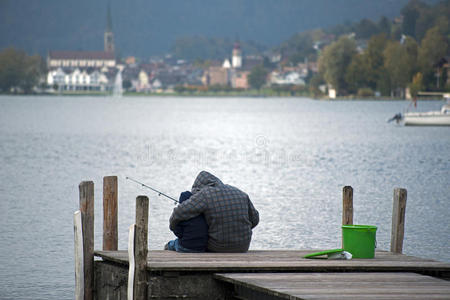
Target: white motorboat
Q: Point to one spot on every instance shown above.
(430, 118)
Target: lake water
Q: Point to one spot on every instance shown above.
(291, 155)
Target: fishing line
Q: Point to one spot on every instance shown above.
(155, 190)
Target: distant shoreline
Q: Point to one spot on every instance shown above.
(223, 95)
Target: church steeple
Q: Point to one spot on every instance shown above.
(109, 36)
(236, 59)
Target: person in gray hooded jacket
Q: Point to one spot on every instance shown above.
(228, 211)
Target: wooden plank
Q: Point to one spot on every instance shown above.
(110, 207)
(292, 283)
(341, 285)
(141, 248)
(86, 189)
(326, 278)
(369, 297)
(398, 220)
(275, 260)
(78, 242)
(132, 264)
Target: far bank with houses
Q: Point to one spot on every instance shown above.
(85, 71)
(98, 71)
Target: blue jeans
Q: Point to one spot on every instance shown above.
(175, 245)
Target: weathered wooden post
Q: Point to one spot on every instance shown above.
(398, 220)
(110, 207)
(347, 208)
(86, 189)
(78, 243)
(347, 205)
(131, 262)
(140, 251)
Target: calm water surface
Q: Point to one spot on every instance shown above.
(292, 156)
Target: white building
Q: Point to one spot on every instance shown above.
(143, 82)
(78, 80)
(80, 59)
(288, 78)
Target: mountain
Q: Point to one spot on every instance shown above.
(148, 27)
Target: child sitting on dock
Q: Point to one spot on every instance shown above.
(192, 234)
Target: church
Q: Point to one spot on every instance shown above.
(84, 70)
(234, 72)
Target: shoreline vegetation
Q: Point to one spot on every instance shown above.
(248, 94)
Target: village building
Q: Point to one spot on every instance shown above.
(217, 74)
(286, 78)
(80, 59)
(84, 70)
(143, 82)
(240, 80)
(232, 72)
(78, 80)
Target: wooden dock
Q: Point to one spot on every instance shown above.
(276, 275)
(139, 274)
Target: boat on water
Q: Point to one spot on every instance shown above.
(430, 118)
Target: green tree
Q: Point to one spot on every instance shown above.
(300, 46)
(384, 26)
(416, 85)
(375, 60)
(365, 29)
(334, 61)
(358, 73)
(424, 22)
(397, 63)
(257, 77)
(433, 47)
(412, 50)
(410, 14)
(34, 70)
(314, 84)
(19, 71)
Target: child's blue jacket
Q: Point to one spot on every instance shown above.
(192, 233)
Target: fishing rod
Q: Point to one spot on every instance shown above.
(149, 187)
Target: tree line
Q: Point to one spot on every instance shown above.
(390, 64)
(19, 72)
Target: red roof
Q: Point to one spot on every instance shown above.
(98, 55)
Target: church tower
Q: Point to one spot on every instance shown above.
(109, 36)
(236, 59)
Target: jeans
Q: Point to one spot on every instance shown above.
(175, 245)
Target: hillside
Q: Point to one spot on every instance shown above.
(147, 27)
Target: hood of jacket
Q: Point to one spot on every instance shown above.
(205, 179)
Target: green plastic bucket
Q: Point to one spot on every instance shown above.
(359, 240)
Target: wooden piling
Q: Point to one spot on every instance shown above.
(141, 248)
(110, 234)
(398, 220)
(86, 189)
(131, 262)
(347, 208)
(78, 243)
(347, 205)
